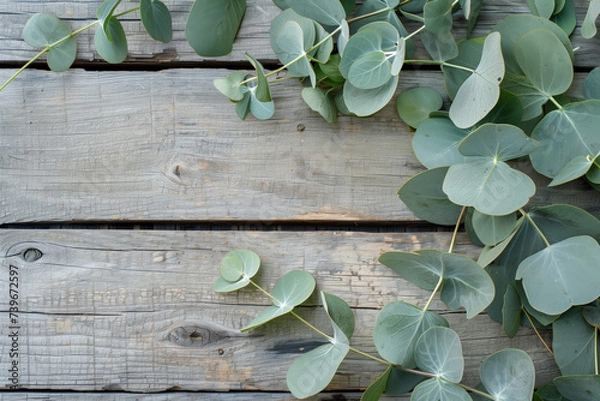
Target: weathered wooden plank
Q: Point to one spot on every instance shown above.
(181, 396)
(253, 37)
(134, 311)
(167, 146)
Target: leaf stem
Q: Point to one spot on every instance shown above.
(558, 105)
(537, 333)
(596, 349)
(455, 234)
(528, 217)
(475, 391)
(369, 356)
(310, 326)
(57, 43)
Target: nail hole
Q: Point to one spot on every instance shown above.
(300, 127)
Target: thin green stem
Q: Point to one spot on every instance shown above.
(594, 160)
(537, 333)
(369, 356)
(57, 43)
(422, 28)
(435, 290)
(596, 349)
(310, 326)
(258, 287)
(372, 14)
(558, 105)
(528, 217)
(455, 233)
(475, 391)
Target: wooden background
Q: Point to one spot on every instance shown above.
(122, 187)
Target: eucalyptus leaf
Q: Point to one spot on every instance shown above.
(469, 55)
(157, 20)
(370, 71)
(588, 28)
(339, 312)
(290, 291)
(43, 30)
(574, 169)
(471, 9)
(242, 108)
(414, 105)
(490, 253)
(542, 8)
(398, 327)
(401, 381)
(365, 102)
(439, 352)
(310, 373)
(493, 229)
(104, 13)
(480, 92)
(424, 196)
(436, 141)
(511, 312)
(573, 343)
(566, 19)
(326, 12)
(211, 26)
(437, 15)
(262, 91)
(439, 390)
(237, 268)
(465, 283)
(261, 110)
(112, 50)
(290, 40)
(579, 388)
(544, 61)
(566, 134)
(377, 388)
(591, 84)
(440, 46)
(231, 86)
(319, 100)
(549, 392)
(508, 375)
(562, 275)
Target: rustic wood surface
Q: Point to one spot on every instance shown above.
(135, 311)
(104, 313)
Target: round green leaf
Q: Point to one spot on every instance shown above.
(363, 42)
(43, 30)
(231, 86)
(591, 314)
(436, 141)
(579, 388)
(498, 141)
(438, 351)
(398, 327)
(566, 19)
(370, 71)
(290, 291)
(591, 84)
(573, 343)
(492, 187)
(440, 46)
(290, 40)
(437, 15)
(104, 13)
(326, 12)
(480, 92)
(261, 110)
(319, 100)
(469, 55)
(249, 262)
(112, 50)
(440, 390)
(365, 102)
(490, 253)
(261, 91)
(339, 312)
(562, 275)
(542, 58)
(508, 375)
(414, 105)
(157, 20)
(232, 268)
(549, 392)
(212, 25)
(566, 134)
(543, 8)
(424, 196)
(493, 229)
(223, 285)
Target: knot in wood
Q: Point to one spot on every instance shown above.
(32, 254)
(194, 336)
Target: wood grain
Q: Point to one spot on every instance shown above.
(253, 36)
(135, 311)
(148, 146)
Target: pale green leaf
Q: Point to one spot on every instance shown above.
(326, 12)
(542, 8)
(104, 13)
(211, 26)
(398, 327)
(562, 275)
(414, 105)
(319, 100)
(436, 141)
(566, 134)
(113, 51)
(370, 71)
(502, 142)
(339, 312)
(566, 19)
(292, 49)
(261, 110)
(262, 91)
(508, 375)
(573, 343)
(591, 84)
(591, 314)
(493, 229)
(365, 102)
(43, 30)
(480, 92)
(437, 15)
(157, 20)
(588, 28)
(231, 86)
(439, 352)
(440, 46)
(574, 169)
(490, 253)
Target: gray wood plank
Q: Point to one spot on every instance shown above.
(253, 37)
(135, 311)
(167, 146)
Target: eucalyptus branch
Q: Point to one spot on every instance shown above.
(57, 43)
